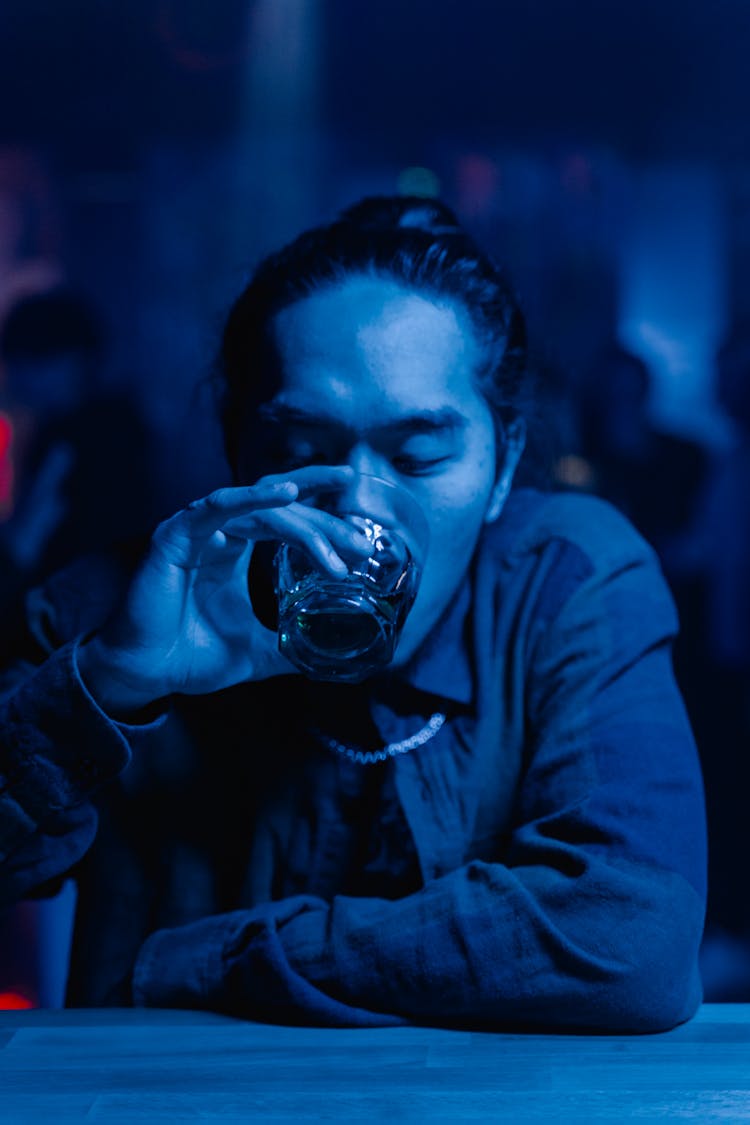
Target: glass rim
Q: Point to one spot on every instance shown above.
(404, 499)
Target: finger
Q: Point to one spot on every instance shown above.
(315, 478)
(345, 539)
(210, 513)
(344, 536)
(293, 526)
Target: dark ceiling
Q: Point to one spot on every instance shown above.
(642, 75)
(647, 77)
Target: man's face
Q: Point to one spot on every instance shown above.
(382, 378)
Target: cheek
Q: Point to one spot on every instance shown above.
(462, 495)
(455, 504)
(457, 508)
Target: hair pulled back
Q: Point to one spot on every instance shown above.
(417, 242)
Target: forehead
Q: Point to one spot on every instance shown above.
(368, 344)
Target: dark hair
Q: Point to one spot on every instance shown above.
(415, 241)
(57, 322)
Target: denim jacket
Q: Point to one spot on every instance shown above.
(541, 859)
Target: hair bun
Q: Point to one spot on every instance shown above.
(389, 212)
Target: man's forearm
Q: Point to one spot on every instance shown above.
(485, 944)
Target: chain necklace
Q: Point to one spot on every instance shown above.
(369, 757)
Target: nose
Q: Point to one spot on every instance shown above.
(363, 494)
(364, 459)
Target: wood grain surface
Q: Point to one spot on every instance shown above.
(158, 1066)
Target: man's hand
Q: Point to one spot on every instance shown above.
(187, 624)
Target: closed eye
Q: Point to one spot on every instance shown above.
(418, 466)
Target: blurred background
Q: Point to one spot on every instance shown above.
(152, 151)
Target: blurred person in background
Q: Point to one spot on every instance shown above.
(83, 465)
(503, 826)
(656, 478)
(652, 476)
(79, 472)
(715, 552)
(726, 520)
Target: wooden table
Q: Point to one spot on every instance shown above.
(129, 1066)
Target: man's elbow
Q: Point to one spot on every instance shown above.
(648, 1001)
(658, 985)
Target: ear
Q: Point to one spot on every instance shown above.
(513, 447)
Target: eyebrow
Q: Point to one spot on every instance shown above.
(420, 422)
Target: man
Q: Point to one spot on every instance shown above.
(537, 857)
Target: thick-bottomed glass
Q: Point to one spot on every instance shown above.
(347, 628)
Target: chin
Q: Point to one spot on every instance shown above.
(415, 633)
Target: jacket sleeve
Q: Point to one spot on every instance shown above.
(591, 918)
(57, 747)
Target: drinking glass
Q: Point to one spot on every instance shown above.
(345, 629)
